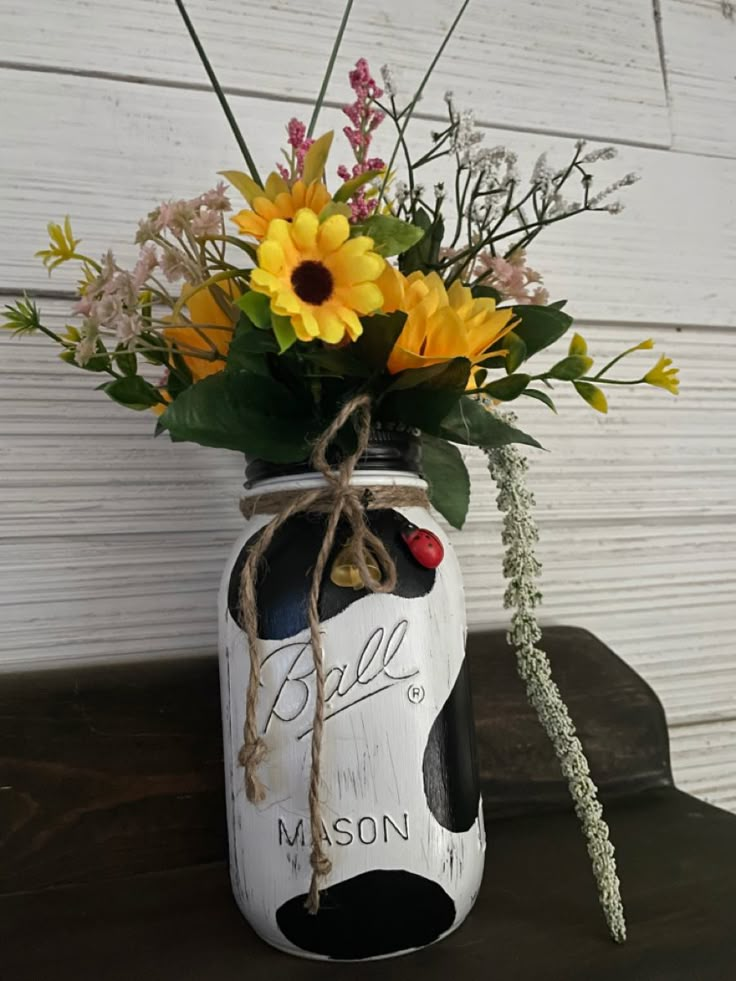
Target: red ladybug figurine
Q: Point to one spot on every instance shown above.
(424, 546)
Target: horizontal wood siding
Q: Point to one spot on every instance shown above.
(111, 542)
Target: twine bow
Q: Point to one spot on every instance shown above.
(346, 502)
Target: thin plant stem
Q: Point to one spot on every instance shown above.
(409, 111)
(330, 65)
(219, 92)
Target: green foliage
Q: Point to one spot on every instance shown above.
(570, 367)
(390, 235)
(448, 479)
(426, 403)
(425, 254)
(577, 345)
(237, 410)
(469, 423)
(534, 393)
(126, 360)
(508, 388)
(348, 189)
(378, 338)
(283, 332)
(316, 158)
(592, 395)
(539, 327)
(256, 307)
(449, 374)
(517, 352)
(23, 317)
(133, 392)
(483, 290)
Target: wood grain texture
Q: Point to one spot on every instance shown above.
(536, 916)
(700, 51)
(553, 67)
(131, 146)
(108, 771)
(112, 543)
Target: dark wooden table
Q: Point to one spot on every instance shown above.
(112, 836)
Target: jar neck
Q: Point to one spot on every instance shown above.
(395, 455)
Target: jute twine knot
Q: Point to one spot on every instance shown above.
(344, 501)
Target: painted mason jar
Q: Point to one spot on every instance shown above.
(402, 817)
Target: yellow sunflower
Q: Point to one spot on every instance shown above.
(278, 200)
(203, 310)
(443, 324)
(318, 276)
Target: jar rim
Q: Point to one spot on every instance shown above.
(387, 450)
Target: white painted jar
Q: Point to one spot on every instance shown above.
(401, 809)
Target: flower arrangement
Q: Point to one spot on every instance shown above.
(266, 304)
(265, 322)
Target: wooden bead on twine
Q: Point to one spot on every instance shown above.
(340, 500)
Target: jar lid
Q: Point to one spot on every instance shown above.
(388, 449)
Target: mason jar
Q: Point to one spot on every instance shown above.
(402, 818)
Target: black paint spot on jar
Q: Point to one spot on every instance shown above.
(373, 914)
(285, 574)
(450, 765)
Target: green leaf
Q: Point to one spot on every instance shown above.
(242, 412)
(557, 305)
(133, 392)
(539, 327)
(425, 254)
(450, 374)
(126, 360)
(471, 424)
(336, 361)
(249, 349)
(592, 395)
(517, 352)
(335, 208)
(348, 189)
(577, 345)
(570, 367)
(283, 332)
(256, 307)
(534, 393)
(249, 188)
(508, 388)
(378, 338)
(448, 479)
(391, 236)
(425, 405)
(316, 158)
(483, 290)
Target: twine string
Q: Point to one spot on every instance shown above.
(341, 500)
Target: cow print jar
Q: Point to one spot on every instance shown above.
(401, 808)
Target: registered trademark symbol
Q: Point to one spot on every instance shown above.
(416, 694)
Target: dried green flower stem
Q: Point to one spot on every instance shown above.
(521, 567)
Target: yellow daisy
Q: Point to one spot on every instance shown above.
(278, 200)
(443, 324)
(318, 276)
(663, 376)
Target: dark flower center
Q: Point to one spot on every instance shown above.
(312, 282)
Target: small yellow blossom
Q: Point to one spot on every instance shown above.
(663, 376)
(318, 276)
(62, 245)
(443, 324)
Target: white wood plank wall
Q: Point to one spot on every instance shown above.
(111, 543)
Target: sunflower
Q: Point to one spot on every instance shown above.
(443, 324)
(318, 276)
(204, 310)
(278, 200)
